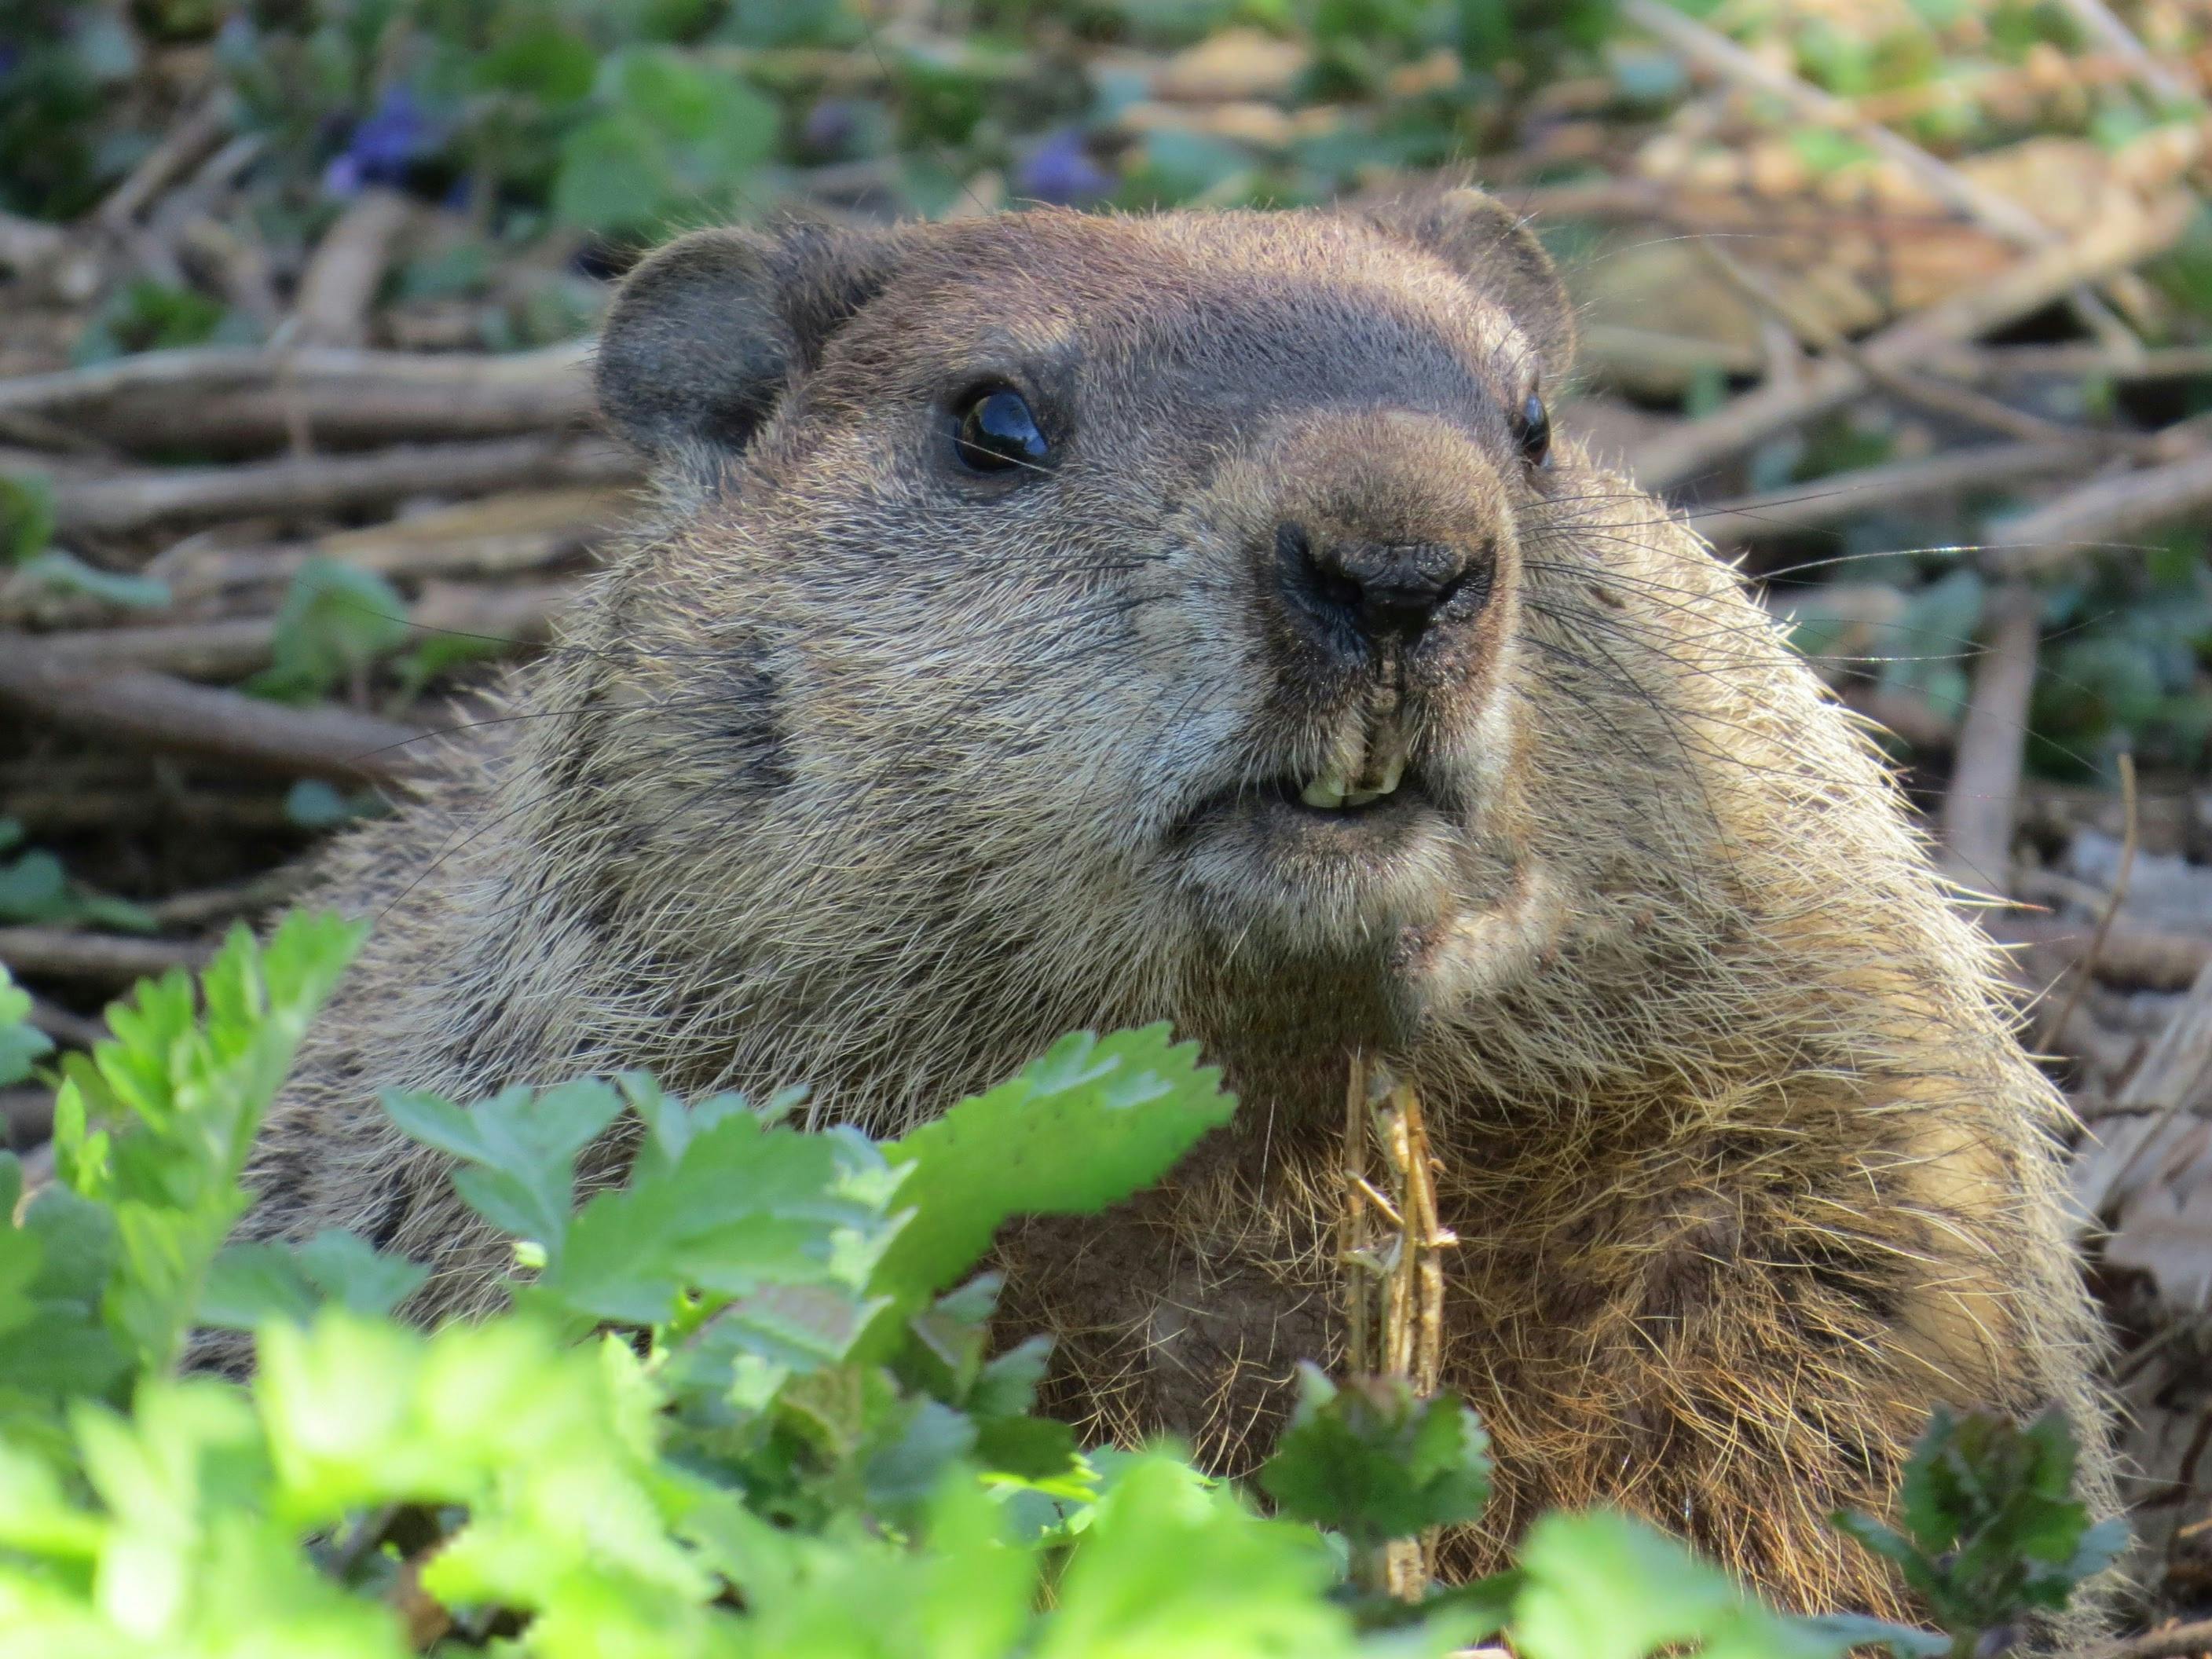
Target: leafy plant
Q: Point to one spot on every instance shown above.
(35, 887)
(677, 140)
(729, 1412)
(1376, 1461)
(21, 1043)
(337, 620)
(150, 316)
(1989, 1530)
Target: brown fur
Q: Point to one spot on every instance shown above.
(870, 773)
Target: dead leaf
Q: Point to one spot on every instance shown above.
(1236, 64)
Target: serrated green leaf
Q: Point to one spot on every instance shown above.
(22, 1045)
(248, 1284)
(910, 1457)
(1007, 1386)
(1991, 1529)
(738, 1209)
(1083, 1128)
(335, 621)
(1376, 1461)
(55, 1265)
(1602, 1586)
(252, 1283)
(1172, 1566)
(518, 1150)
(1026, 1448)
(155, 1125)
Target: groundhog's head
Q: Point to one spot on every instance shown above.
(1082, 596)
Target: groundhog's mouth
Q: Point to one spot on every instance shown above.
(1310, 809)
(1338, 791)
(1330, 800)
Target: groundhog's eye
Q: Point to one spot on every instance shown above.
(1532, 427)
(998, 432)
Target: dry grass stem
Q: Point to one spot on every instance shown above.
(1390, 1245)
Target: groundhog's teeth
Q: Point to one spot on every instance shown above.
(1393, 773)
(1326, 792)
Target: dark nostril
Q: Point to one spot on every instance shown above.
(1374, 588)
(1318, 586)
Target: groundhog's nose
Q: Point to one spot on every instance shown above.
(1373, 592)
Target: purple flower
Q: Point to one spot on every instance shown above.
(386, 143)
(1061, 170)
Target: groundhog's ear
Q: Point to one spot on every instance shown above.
(1486, 242)
(710, 333)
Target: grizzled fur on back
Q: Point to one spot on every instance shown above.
(872, 770)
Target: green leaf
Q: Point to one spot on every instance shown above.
(1933, 636)
(518, 1150)
(904, 1466)
(541, 60)
(252, 1283)
(1375, 1462)
(614, 173)
(155, 1125)
(313, 804)
(337, 620)
(33, 887)
(56, 1263)
(678, 139)
(27, 515)
(1991, 1528)
(144, 315)
(736, 1209)
(1083, 1128)
(21, 1043)
(1602, 1586)
(1173, 1567)
(1026, 1448)
(64, 573)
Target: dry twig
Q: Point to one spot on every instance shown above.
(1808, 507)
(112, 959)
(163, 712)
(1961, 402)
(231, 648)
(1996, 213)
(339, 284)
(2132, 958)
(2085, 970)
(1984, 794)
(2104, 512)
(182, 148)
(241, 399)
(2112, 245)
(324, 483)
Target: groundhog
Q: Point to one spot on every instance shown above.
(1057, 620)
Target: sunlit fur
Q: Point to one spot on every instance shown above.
(863, 772)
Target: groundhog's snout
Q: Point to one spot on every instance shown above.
(1391, 532)
(1373, 595)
